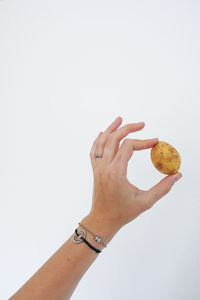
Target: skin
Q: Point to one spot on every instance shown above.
(115, 202)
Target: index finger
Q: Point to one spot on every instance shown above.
(113, 141)
(126, 150)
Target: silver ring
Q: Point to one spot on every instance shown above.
(99, 156)
(82, 234)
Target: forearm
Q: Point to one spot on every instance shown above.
(59, 276)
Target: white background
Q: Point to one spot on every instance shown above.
(67, 70)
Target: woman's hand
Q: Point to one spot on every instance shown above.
(116, 201)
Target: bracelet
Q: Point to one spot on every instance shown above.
(82, 235)
(96, 237)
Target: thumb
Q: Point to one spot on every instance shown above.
(161, 188)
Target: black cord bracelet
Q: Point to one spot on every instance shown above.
(82, 239)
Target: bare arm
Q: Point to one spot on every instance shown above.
(115, 203)
(59, 276)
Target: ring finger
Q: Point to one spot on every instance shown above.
(98, 146)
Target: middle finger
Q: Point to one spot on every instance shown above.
(113, 141)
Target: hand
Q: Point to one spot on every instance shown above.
(116, 200)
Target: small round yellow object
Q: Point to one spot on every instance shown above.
(165, 158)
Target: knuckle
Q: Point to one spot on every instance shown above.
(111, 136)
(146, 205)
(101, 142)
(127, 142)
(112, 174)
(145, 202)
(128, 127)
(108, 174)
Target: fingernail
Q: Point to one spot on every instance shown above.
(139, 123)
(177, 177)
(155, 139)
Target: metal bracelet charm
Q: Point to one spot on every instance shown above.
(78, 238)
(97, 238)
(82, 235)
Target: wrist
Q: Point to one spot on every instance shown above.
(100, 228)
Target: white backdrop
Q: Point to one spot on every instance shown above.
(67, 69)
